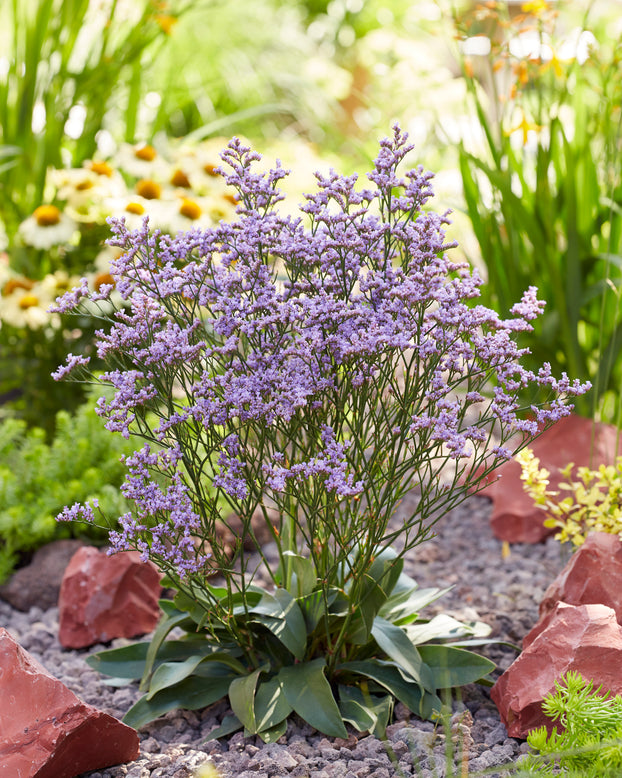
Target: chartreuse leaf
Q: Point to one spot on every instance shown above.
(271, 708)
(396, 645)
(309, 693)
(279, 612)
(191, 694)
(367, 712)
(242, 699)
(454, 666)
(170, 673)
(387, 674)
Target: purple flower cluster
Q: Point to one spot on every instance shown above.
(277, 350)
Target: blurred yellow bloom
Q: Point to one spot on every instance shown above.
(148, 189)
(166, 22)
(525, 126)
(535, 7)
(101, 168)
(190, 209)
(47, 215)
(146, 152)
(136, 208)
(180, 179)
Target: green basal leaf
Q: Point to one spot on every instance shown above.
(169, 621)
(196, 608)
(274, 733)
(312, 606)
(229, 725)
(405, 606)
(242, 699)
(366, 712)
(453, 667)
(309, 693)
(171, 673)
(129, 661)
(444, 627)
(279, 612)
(299, 576)
(387, 675)
(191, 694)
(271, 706)
(242, 602)
(374, 589)
(397, 646)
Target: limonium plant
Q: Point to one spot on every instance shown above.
(308, 371)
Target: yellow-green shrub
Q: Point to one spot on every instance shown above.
(593, 502)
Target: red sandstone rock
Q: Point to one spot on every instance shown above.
(572, 439)
(593, 575)
(583, 638)
(45, 730)
(104, 597)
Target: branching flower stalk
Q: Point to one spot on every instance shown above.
(324, 365)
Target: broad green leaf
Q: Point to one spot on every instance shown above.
(444, 627)
(274, 733)
(313, 607)
(129, 661)
(271, 705)
(367, 712)
(242, 699)
(397, 646)
(387, 675)
(171, 673)
(284, 620)
(190, 694)
(229, 725)
(169, 621)
(374, 588)
(453, 667)
(299, 576)
(310, 695)
(406, 605)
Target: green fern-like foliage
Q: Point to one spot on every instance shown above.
(587, 741)
(37, 480)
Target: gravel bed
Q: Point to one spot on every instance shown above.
(503, 592)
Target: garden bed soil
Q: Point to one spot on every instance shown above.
(488, 585)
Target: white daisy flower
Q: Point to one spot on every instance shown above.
(27, 307)
(48, 226)
(187, 214)
(142, 161)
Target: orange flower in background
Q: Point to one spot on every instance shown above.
(17, 283)
(521, 71)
